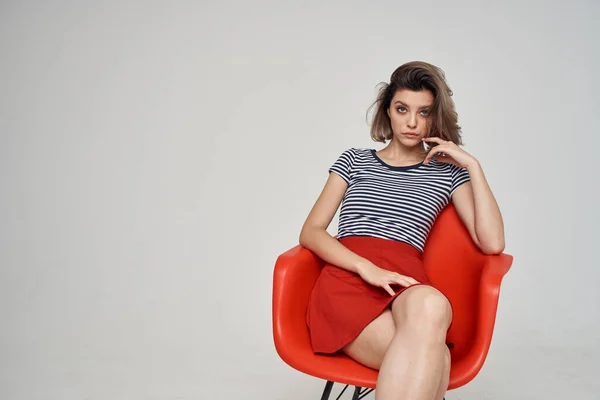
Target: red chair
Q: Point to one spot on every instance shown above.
(469, 278)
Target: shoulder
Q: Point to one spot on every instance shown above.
(353, 153)
(347, 162)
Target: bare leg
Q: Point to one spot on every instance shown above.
(414, 361)
(370, 347)
(445, 377)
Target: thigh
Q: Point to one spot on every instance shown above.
(371, 344)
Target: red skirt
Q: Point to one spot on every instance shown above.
(342, 304)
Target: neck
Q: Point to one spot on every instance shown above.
(397, 151)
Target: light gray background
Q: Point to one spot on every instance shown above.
(157, 157)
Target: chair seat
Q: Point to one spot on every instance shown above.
(340, 368)
(470, 279)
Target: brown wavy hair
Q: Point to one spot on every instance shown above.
(418, 75)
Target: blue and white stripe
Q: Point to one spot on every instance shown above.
(397, 203)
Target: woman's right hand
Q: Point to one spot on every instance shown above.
(383, 278)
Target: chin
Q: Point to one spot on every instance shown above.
(411, 142)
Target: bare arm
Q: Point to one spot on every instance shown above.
(474, 201)
(479, 211)
(314, 236)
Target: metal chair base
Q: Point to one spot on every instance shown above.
(359, 393)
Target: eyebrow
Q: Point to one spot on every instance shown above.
(399, 102)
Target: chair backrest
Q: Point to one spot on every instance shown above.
(453, 263)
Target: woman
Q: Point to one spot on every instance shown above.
(373, 300)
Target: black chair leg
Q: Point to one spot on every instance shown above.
(327, 390)
(358, 392)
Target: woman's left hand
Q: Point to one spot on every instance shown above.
(451, 153)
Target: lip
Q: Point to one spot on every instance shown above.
(410, 134)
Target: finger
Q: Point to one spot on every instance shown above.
(446, 159)
(403, 281)
(428, 157)
(433, 139)
(432, 152)
(388, 289)
(409, 280)
(438, 140)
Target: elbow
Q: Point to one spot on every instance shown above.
(493, 248)
(304, 236)
(307, 235)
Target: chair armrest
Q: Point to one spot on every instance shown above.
(494, 268)
(294, 276)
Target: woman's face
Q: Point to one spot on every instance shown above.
(410, 115)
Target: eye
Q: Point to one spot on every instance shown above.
(401, 109)
(425, 112)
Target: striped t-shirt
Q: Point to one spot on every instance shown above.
(397, 203)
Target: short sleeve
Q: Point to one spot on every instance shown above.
(343, 165)
(459, 176)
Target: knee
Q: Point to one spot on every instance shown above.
(424, 306)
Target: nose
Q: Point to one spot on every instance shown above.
(412, 121)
